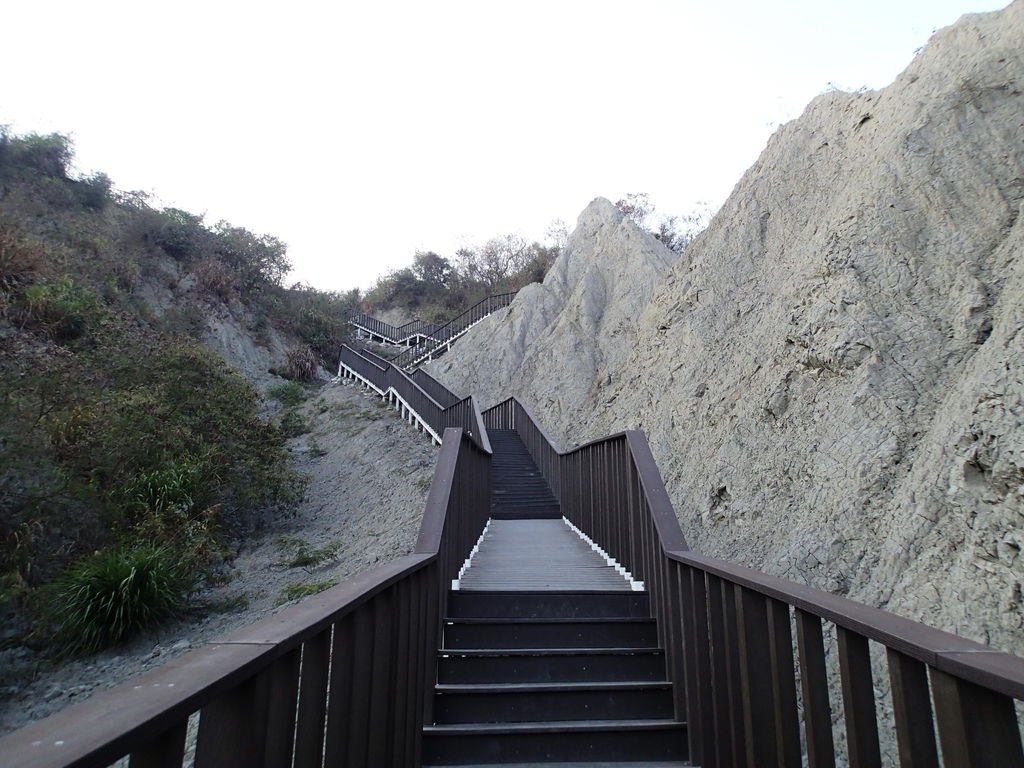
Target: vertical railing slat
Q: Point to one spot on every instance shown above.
(232, 727)
(382, 695)
(362, 658)
(912, 710)
(339, 705)
(309, 732)
(695, 734)
(787, 720)
(977, 727)
(284, 693)
(723, 736)
(756, 677)
(858, 700)
(737, 717)
(821, 751)
(165, 751)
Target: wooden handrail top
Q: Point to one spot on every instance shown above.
(1002, 672)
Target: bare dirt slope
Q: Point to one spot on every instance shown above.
(832, 378)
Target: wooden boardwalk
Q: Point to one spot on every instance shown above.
(538, 555)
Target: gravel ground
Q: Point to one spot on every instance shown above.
(369, 476)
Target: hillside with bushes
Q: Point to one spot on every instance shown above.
(436, 288)
(131, 455)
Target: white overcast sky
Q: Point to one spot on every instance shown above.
(361, 132)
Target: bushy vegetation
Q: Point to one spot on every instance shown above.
(288, 393)
(117, 592)
(436, 288)
(129, 454)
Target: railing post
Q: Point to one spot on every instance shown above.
(165, 751)
(814, 684)
(858, 700)
(977, 727)
(232, 728)
(309, 733)
(912, 709)
(755, 676)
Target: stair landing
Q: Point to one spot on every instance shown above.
(538, 555)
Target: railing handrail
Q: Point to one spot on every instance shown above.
(951, 653)
(417, 327)
(729, 645)
(454, 327)
(462, 412)
(146, 716)
(966, 658)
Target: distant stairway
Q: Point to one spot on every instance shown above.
(529, 673)
(518, 490)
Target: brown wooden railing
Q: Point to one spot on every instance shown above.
(344, 678)
(410, 333)
(444, 335)
(434, 388)
(420, 397)
(728, 632)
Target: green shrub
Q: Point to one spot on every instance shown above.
(117, 592)
(20, 260)
(62, 310)
(293, 424)
(288, 393)
(34, 154)
(300, 554)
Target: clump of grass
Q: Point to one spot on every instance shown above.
(293, 424)
(315, 449)
(300, 363)
(300, 554)
(288, 393)
(300, 590)
(116, 593)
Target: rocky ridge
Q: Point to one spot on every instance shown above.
(832, 377)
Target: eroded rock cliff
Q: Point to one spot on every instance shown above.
(832, 378)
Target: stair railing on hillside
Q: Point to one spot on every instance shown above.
(434, 388)
(728, 634)
(408, 394)
(343, 678)
(445, 334)
(412, 332)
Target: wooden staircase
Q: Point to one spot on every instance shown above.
(552, 677)
(518, 489)
(549, 656)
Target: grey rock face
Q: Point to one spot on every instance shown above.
(832, 379)
(564, 340)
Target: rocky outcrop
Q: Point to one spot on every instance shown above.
(566, 339)
(832, 379)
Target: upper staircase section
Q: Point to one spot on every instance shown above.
(426, 341)
(382, 332)
(518, 489)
